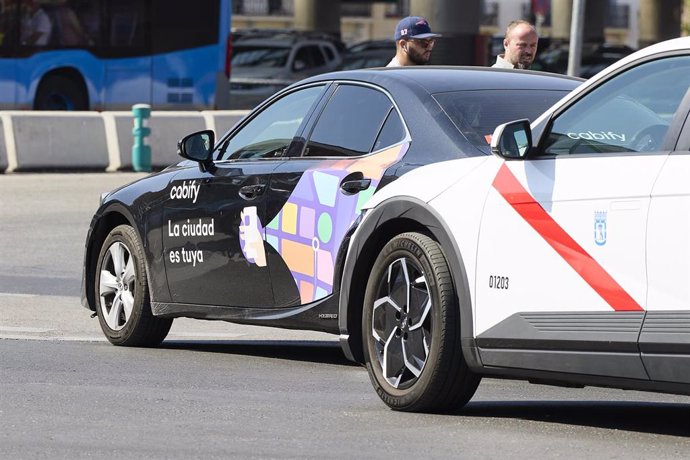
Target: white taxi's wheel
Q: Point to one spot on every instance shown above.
(411, 329)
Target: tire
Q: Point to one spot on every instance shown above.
(412, 348)
(122, 294)
(60, 92)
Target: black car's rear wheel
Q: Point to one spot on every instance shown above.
(122, 295)
(411, 329)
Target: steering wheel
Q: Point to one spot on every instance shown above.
(649, 139)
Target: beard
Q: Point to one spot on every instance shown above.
(524, 62)
(417, 57)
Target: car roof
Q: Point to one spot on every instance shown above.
(438, 79)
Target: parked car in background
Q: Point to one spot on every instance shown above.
(372, 53)
(595, 57)
(562, 258)
(552, 55)
(266, 61)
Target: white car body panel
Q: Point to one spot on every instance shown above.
(429, 180)
(668, 242)
(576, 193)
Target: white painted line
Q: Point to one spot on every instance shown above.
(12, 294)
(35, 330)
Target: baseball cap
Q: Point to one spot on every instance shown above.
(413, 27)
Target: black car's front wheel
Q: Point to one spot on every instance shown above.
(122, 295)
(411, 329)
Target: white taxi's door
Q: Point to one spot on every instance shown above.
(562, 261)
(665, 336)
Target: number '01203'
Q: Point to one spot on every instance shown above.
(498, 282)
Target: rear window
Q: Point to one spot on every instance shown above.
(477, 113)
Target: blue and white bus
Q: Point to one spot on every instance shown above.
(110, 54)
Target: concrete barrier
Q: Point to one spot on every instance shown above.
(31, 141)
(3, 147)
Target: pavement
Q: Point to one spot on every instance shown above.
(41, 317)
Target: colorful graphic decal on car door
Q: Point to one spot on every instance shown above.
(308, 230)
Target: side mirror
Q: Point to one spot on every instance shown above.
(197, 147)
(512, 140)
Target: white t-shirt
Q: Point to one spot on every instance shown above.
(501, 63)
(394, 63)
(39, 23)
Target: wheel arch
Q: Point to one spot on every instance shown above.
(393, 217)
(100, 228)
(69, 72)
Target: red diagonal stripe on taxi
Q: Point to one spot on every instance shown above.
(589, 269)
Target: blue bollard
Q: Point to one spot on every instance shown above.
(141, 153)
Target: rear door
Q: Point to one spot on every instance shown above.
(315, 197)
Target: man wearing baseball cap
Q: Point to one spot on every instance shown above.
(414, 42)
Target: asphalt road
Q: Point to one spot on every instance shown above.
(218, 390)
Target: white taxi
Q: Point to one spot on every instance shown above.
(563, 257)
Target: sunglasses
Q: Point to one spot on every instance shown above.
(424, 42)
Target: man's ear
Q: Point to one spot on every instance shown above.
(505, 43)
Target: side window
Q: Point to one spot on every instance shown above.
(350, 122)
(629, 113)
(36, 27)
(9, 22)
(269, 133)
(391, 133)
(307, 57)
(330, 55)
(126, 27)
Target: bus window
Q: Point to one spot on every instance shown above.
(111, 54)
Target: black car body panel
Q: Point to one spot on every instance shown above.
(262, 239)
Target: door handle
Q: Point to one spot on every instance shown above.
(350, 187)
(250, 192)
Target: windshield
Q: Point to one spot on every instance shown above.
(477, 113)
(259, 56)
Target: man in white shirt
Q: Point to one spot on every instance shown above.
(414, 42)
(520, 44)
(36, 25)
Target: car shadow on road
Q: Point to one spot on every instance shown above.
(306, 351)
(645, 417)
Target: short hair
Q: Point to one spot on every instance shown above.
(518, 22)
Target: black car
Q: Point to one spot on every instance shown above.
(254, 227)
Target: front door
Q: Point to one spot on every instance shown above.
(563, 246)
(210, 227)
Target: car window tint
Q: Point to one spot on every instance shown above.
(629, 113)
(391, 133)
(350, 122)
(307, 57)
(269, 133)
(330, 55)
(477, 113)
(259, 56)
